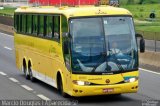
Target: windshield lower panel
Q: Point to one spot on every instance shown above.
(103, 44)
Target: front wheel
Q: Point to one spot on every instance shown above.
(60, 87)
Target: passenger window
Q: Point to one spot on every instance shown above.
(49, 26)
(64, 24)
(23, 23)
(35, 24)
(20, 23)
(41, 25)
(29, 24)
(57, 27)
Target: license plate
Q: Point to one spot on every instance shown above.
(106, 90)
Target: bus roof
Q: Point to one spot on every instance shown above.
(76, 11)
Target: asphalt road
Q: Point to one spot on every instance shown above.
(13, 85)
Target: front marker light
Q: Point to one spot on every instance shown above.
(81, 82)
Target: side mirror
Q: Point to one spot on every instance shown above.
(142, 43)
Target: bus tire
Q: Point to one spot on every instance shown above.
(24, 69)
(27, 75)
(60, 86)
(31, 75)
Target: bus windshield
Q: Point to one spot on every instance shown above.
(103, 44)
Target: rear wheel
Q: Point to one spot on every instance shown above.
(24, 69)
(27, 75)
(60, 87)
(31, 75)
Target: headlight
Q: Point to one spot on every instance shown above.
(81, 82)
(131, 79)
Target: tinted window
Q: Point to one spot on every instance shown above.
(35, 24)
(41, 25)
(49, 26)
(56, 27)
(64, 24)
(20, 23)
(29, 24)
(24, 23)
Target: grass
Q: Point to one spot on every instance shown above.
(7, 11)
(142, 12)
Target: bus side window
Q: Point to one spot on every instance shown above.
(56, 27)
(29, 24)
(34, 26)
(41, 25)
(49, 26)
(23, 23)
(20, 23)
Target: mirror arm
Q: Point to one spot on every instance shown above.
(139, 35)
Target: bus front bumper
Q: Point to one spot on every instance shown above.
(91, 90)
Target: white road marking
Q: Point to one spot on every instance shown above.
(2, 73)
(27, 87)
(7, 48)
(43, 97)
(6, 34)
(149, 71)
(13, 79)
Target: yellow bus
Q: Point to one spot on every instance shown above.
(80, 50)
